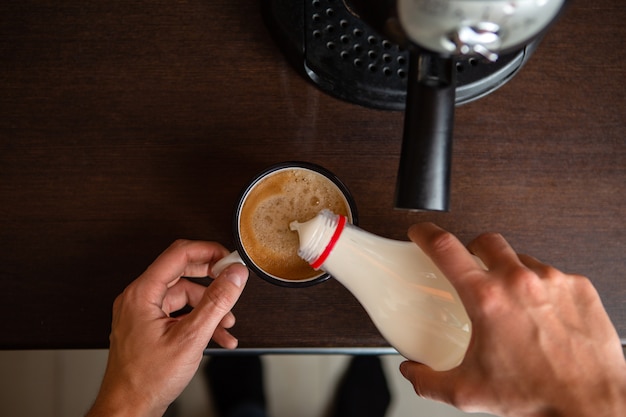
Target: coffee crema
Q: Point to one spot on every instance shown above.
(271, 205)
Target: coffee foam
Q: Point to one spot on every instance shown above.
(271, 205)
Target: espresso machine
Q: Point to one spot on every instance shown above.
(423, 57)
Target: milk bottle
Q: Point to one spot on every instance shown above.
(408, 298)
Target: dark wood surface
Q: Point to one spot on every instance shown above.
(126, 125)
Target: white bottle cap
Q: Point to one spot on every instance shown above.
(318, 236)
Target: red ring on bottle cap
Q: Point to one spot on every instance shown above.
(341, 223)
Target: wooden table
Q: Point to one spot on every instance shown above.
(126, 125)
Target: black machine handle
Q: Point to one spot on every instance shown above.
(423, 181)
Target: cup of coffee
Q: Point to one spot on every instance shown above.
(277, 196)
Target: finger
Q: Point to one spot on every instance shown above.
(541, 269)
(183, 293)
(494, 251)
(182, 258)
(449, 254)
(228, 321)
(186, 293)
(217, 302)
(428, 383)
(188, 258)
(222, 337)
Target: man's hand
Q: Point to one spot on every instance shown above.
(542, 343)
(153, 356)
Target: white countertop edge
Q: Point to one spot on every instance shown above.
(304, 351)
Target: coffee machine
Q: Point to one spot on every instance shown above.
(424, 57)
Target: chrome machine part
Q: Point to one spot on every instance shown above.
(475, 27)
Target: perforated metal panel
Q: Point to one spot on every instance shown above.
(347, 58)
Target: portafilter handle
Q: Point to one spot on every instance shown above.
(423, 181)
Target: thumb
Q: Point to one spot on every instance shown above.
(218, 299)
(427, 383)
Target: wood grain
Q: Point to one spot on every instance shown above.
(126, 125)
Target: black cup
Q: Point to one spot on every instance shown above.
(241, 255)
